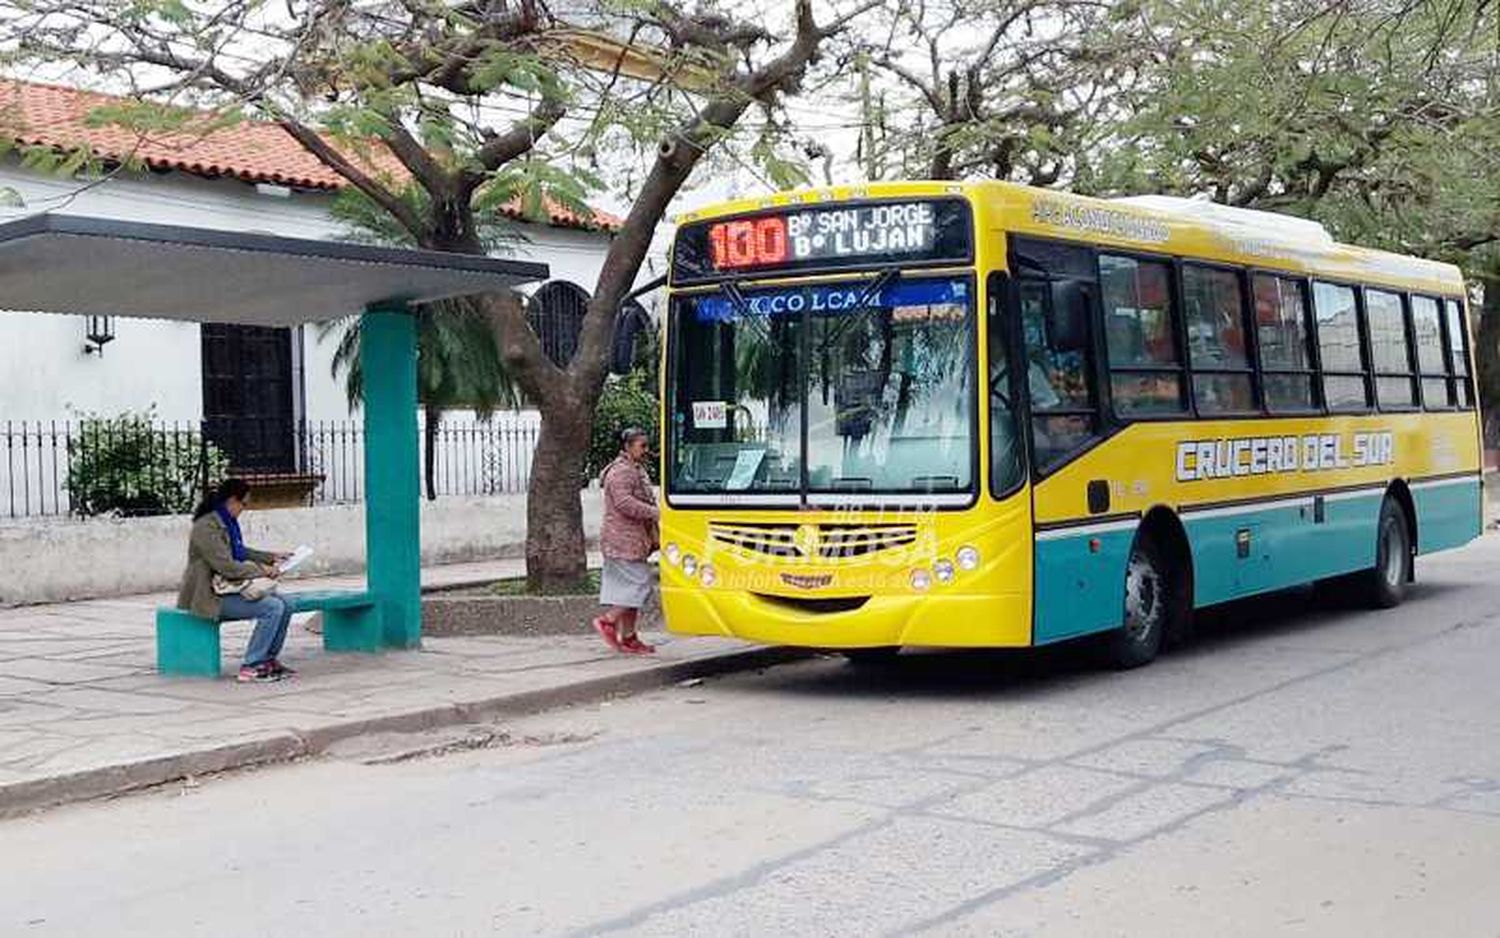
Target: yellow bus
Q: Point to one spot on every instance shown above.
(986, 415)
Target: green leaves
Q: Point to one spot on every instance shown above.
(133, 465)
(500, 68)
(531, 184)
(1379, 122)
(783, 172)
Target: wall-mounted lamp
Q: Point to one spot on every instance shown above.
(99, 332)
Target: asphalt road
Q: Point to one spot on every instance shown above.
(1301, 769)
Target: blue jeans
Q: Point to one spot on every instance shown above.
(272, 615)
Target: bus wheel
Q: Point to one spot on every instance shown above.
(1385, 583)
(1149, 609)
(872, 657)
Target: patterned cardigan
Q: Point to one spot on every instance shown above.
(629, 528)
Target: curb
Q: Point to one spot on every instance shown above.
(110, 780)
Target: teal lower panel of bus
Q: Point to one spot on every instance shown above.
(1250, 549)
(1448, 513)
(1080, 580)
(1239, 551)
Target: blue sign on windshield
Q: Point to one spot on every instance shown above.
(832, 300)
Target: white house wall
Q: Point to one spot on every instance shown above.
(158, 363)
(45, 374)
(45, 370)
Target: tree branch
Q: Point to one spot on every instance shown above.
(520, 138)
(314, 143)
(520, 350)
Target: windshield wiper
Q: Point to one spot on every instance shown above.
(874, 288)
(731, 290)
(745, 316)
(863, 303)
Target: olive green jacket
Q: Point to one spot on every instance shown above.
(209, 553)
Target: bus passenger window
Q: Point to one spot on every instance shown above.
(1139, 333)
(1343, 361)
(1427, 326)
(1395, 385)
(1213, 307)
(1055, 372)
(1458, 353)
(1062, 401)
(1285, 344)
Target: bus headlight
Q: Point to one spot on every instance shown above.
(968, 558)
(943, 570)
(920, 579)
(689, 564)
(706, 575)
(673, 554)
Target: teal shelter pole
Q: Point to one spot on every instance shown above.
(393, 545)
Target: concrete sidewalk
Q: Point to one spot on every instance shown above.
(84, 714)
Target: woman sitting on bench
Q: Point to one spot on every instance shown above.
(222, 577)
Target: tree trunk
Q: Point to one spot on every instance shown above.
(430, 436)
(1487, 358)
(555, 551)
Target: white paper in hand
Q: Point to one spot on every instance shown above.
(298, 558)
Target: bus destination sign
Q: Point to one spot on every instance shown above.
(828, 236)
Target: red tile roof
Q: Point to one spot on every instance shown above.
(32, 114)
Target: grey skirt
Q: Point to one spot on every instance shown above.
(626, 583)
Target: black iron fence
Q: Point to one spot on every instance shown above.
(135, 466)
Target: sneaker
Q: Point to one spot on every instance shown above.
(634, 646)
(278, 668)
(260, 674)
(606, 630)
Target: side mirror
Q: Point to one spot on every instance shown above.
(629, 321)
(1069, 324)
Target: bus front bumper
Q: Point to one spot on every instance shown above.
(935, 620)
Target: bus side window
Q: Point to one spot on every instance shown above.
(1007, 451)
(1285, 344)
(1391, 353)
(1145, 371)
(1427, 327)
(1057, 379)
(1458, 353)
(1213, 306)
(1345, 387)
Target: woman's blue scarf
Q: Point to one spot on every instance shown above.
(232, 525)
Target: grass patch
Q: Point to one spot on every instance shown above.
(516, 586)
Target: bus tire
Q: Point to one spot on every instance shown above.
(1384, 585)
(872, 657)
(1151, 609)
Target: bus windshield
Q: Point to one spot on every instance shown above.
(879, 371)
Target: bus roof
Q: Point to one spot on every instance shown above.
(1161, 224)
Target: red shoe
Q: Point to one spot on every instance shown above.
(634, 646)
(606, 630)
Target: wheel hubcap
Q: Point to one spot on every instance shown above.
(1142, 597)
(1395, 552)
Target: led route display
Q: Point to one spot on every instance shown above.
(848, 235)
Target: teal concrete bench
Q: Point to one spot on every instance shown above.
(188, 644)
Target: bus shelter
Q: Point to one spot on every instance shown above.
(75, 265)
